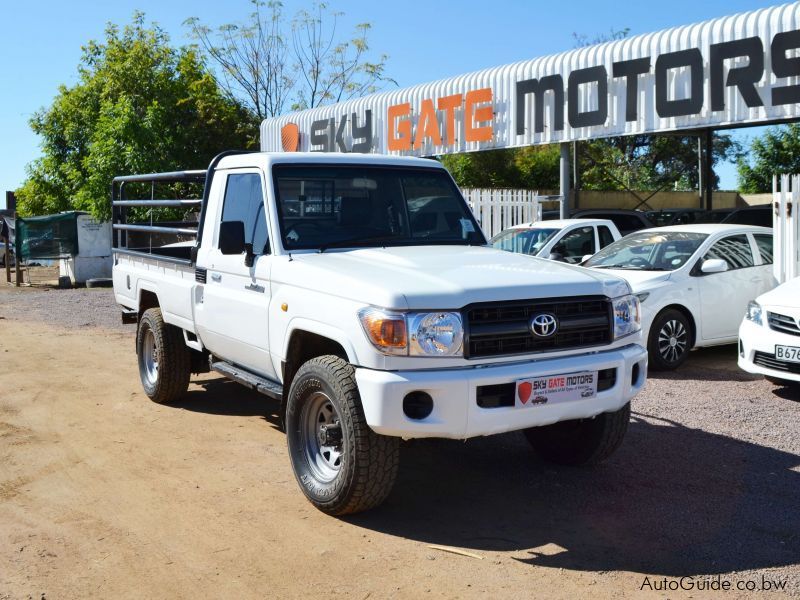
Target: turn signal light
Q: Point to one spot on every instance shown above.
(386, 331)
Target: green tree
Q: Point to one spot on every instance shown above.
(534, 167)
(649, 162)
(139, 106)
(776, 152)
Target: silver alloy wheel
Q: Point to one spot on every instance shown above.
(150, 357)
(673, 340)
(324, 457)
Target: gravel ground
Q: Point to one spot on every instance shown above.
(706, 482)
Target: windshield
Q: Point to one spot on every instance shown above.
(649, 251)
(524, 241)
(356, 205)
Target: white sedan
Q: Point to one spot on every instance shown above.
(565, 240)
(694, 283)
(769, 337)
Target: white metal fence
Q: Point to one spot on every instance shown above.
(786, 226)
(498, 209)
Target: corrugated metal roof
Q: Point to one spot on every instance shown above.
(763, 24)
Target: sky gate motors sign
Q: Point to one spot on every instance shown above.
(650, 83)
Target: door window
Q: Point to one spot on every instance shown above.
(734, 250)
(244, 201)
(606, 236)
(576, 244)
(764, 243)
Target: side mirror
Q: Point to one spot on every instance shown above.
(556, 256)
(231, 237)
(714, 265)
(586, 257)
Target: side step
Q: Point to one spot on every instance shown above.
(270, 388)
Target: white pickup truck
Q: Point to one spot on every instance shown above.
(359, 292)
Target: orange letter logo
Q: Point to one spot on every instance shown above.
(427, 126)
(290, 137)
(449, 104)
(473, 116)
(399, 130)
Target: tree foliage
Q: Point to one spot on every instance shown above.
(139, 106)
(535, 167)
(270, 63)
(649, 162)
(775, 152)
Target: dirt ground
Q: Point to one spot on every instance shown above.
(105, 494)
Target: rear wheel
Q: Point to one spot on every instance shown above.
(341, 465)
(164, 360)
(669, 341)
(581, 441)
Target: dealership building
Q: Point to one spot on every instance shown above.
(736, 71)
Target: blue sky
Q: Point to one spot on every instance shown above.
(426, 40)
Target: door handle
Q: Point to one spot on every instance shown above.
(216, 277)
(255, 288)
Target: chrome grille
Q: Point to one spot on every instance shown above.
(783, 323)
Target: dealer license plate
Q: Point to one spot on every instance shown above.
(554, 389)
(788, 353)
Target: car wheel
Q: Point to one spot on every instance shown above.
(342, 466)
(669, 341)
(581, 442)
(164, 360)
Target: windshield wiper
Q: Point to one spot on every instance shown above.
(359, 241)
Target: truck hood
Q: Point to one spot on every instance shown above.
(787, 295)
(442, 277)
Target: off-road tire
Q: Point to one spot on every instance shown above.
(665, 320)
(172, 358)
(581, 441)
(368, 461)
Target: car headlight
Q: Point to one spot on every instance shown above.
(435, 334)
(753, 312)
(627, 316)
(417, 334)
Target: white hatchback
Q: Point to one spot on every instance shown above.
(694, 283)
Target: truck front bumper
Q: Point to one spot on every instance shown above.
(757, 351)
(455, 392)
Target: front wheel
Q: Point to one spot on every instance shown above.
(341, 465)
(581, 441)
(164, 360)
(669, 341)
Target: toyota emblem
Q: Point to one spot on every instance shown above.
(544, 325)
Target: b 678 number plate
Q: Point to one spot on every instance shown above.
(788, 353)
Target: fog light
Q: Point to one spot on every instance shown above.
(417, 405)
(741, 349)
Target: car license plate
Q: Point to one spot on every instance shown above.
(788, 353)
(555, 389)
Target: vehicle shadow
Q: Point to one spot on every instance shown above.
(224, 397)
(672, 501)
(788, 392)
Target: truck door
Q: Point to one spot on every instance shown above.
(231, 313)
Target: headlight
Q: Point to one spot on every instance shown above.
(435, 334)
(753, 312)
(627, 316)
(386, 330)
